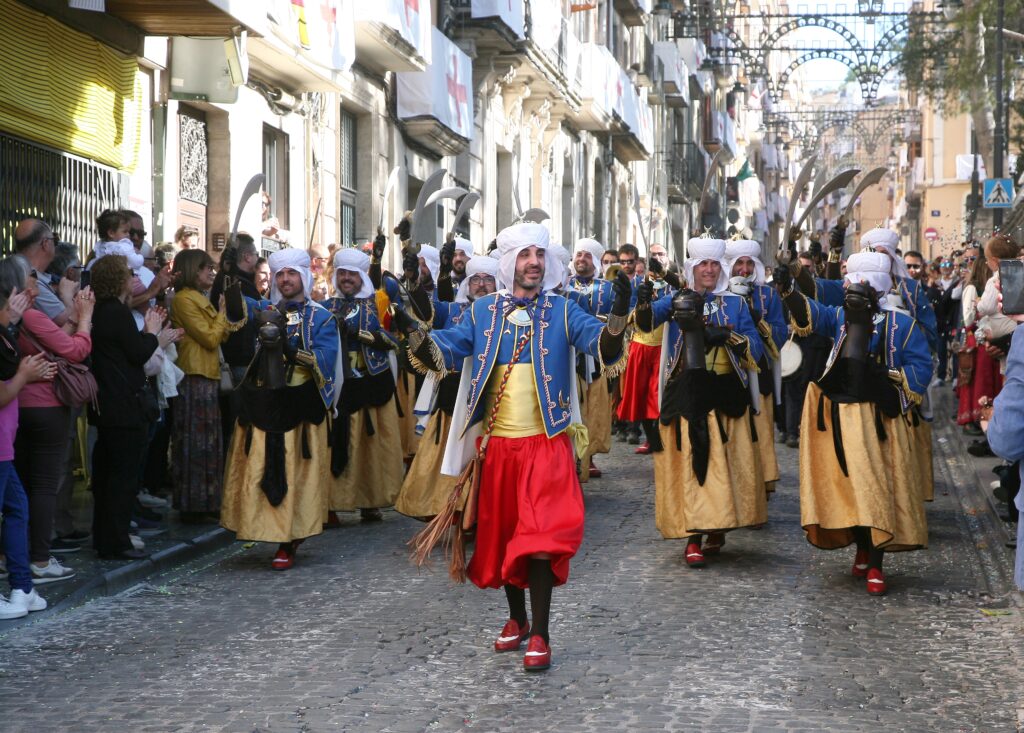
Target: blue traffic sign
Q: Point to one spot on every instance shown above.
(997, 193)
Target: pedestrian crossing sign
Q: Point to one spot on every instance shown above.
(997, 193)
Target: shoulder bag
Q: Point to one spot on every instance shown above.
(73, 385)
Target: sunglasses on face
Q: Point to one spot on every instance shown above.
(626, 262)
(913, 267)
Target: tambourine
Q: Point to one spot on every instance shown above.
(790, 358)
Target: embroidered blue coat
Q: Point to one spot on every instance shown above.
(905, 349)
(767, 300)
(490, 339)
(719, 310)
(314, 331)
(661, 289)
(595, 296)
(364, 312)
(830, 292)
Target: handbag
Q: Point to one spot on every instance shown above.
(227, 382)
(73, 384)
(451, 526)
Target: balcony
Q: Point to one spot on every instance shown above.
(436, 105)
(686, 171)
(916, 182)
(610, 101)
(497, 26)
(633, 12)
(675, 82)
(393, 35)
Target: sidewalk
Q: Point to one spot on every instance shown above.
(171, 545)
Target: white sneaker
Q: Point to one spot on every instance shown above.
(52, 572)
(137, 542)
(31, 601)
(10, 610)
(153, 502)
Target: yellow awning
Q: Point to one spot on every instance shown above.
(64, 89)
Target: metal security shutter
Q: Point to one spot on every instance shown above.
(64, 190)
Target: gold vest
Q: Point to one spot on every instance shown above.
(519, 413)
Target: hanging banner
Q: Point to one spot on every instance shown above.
(411, 18)
(511, 12)
(443, 91)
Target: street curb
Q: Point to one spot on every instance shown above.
(119, 579)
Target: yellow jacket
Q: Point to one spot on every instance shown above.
(205, 331)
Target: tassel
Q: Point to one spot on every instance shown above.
(445, 530)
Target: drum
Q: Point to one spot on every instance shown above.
(790, 358)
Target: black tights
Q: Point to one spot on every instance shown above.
(541, 580)
(862, 536)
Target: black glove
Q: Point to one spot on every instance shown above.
(403, 322)
(644, 292)
(716, 335)
(447, 256)
(379, 242)
(623, 294)
(688, 310)
(404, 228)
(756, 315)
(234, 305)
(815, 248)
(860, 303)
(837, 237)
(782, 278)
(411, 265)
(655, 267)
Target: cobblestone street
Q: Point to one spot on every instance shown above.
(772, 635)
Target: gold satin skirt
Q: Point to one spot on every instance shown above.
(880, 492)
(765, 425)
(406, 389)
(244, 507)
(373, 476)
(425, 490)
(733, 494)
(922, 435)
(597, 416)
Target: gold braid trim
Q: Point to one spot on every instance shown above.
(803, 330)
(435, 354)
(765, 329)
(742, 346)
(912, 397)
(233, 326)
(611, 371)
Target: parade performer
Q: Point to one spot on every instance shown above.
(366, 464)
(426, 489)
(518, 392)
(858, 482)
(747, 279)
(708, 478)
(595, 296)
(274, 484)
(639, 384)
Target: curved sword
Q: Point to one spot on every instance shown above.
(420, 231)
(839, 181)
(871, 178)
(712, 169)
(795, 194)
(251, 189)
(388, 187)
(465, 206)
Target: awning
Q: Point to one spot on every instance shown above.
(192, 17)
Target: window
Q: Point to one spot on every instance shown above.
(275, 168)
(348, 178)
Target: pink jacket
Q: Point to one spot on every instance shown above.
(74, 348)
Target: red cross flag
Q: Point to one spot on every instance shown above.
(411, 18)
(443, 91)
(511, 13)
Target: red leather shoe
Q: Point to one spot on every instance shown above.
(595, 472)
(860, 564)
(694, 557)
(714, 543)
(876, 582)
(283, 560)
(538, 655)
(644, 449)
(511, 636)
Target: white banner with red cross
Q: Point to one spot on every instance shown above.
(444, 91)
(411, 18)
(511, 12)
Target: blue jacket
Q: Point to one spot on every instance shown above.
(767, 300)
(906, 348)
(719, 310)
(661, 289)
(830, 292)
(559, 325)
(595, 296)
(448, 315)
(314, 331)
(364, 313)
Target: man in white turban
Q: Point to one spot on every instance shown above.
(281, 436)
(426, 488)
(747, 280)
(708, 478)
(595, 295)
(367, 468)
(518, 393)
(860, 482)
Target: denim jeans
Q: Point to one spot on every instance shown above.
(14, 503)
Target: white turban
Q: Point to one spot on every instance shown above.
(887, 241)
(512, 240)
(290, 259)
(353, 260)
(594, 249)
(736, 248)
(464, 245)
(701, 250)
(479, 265)
(432, 256)
(871, 268)
(564, 258)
